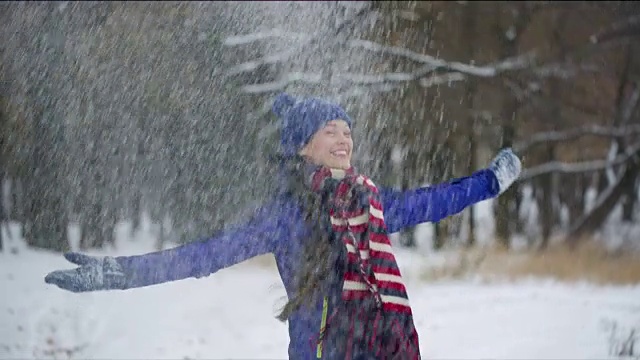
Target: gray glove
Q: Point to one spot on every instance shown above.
(506, 166)
(94, 273)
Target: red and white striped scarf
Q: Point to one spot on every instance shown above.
(376, 305)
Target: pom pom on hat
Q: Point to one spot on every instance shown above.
(282, 104)
(302, 118)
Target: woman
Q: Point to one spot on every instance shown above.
(327, 227)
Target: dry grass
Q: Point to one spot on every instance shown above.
(588, 262)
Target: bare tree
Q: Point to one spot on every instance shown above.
(3, 165)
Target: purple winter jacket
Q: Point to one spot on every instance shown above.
(278, 228)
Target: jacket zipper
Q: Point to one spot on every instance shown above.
(323, 324)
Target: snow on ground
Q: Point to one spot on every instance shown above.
(230, 314)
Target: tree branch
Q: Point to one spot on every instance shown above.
(581, 167)
(238, 40)
(315, 78)
(491, 70)
(433, 72)
(450, 71)
(265, 60)
(532, 96)
(595, 130)
(436, 80)
(564, 70)
(629, 108)
(605, 203)
(376, 79)
(628, 27)
(310, 78)
(304, 39)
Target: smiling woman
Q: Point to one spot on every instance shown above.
(327, 226)
(331, 146)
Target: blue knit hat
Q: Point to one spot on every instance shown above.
(301, 118)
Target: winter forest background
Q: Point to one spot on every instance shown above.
(113, 109)
(111, 112)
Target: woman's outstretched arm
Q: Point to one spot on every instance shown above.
(433, 203)
(205, 256)
(256, 236)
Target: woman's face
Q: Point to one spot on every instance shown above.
(331, 146)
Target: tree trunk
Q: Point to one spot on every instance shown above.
(506, 218)
(29, 211)
(16, 211)
(619, 119)
(92, 206)
(4, 218)
(503, 213)
(162, 235)
(3, 214)
(45, 171)
(110, 221)
(630, 196)
(604, 205)
(547, 210)
(156, 217)
(571, 190)
(47, 216)
(470, 30)
(46, 226)
(471, 230)
(519, 221)
(471, 233)
(439, 235)
(136, 211)
(93, 235)
(441, 229)
(407, 236)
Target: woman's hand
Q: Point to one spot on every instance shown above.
(506, 166)
(94, 273)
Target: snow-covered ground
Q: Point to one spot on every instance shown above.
(231, 315)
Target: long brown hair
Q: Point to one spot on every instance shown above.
(316, 262)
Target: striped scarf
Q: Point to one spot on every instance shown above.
(375, 313)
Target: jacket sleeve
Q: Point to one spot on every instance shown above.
(254, 237)
(433, 203)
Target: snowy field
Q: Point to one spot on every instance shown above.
(231, 315)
